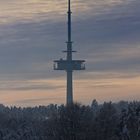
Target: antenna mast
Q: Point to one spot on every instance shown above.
(69, 65)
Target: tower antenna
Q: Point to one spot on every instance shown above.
(69, 65)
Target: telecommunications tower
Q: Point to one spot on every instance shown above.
(69, 65)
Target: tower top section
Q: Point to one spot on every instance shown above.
(69, 25)
(69, 5)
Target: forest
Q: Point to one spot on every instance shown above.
(107, 121)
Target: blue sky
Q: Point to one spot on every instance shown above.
(33, 33)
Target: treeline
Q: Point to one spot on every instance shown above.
(108, 121)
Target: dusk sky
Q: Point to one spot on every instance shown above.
(106, 33)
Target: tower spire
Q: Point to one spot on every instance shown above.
(69, 42)
(69, 65)
(69, 21)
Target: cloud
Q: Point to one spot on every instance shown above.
(27, 49)
(35, 101)
(36, 10)
(28, 85)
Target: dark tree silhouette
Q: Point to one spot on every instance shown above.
(108, 121)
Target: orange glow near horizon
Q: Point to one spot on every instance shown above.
(84, 92)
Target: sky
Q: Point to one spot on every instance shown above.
(33, 34)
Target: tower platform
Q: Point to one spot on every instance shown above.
(69, 65)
